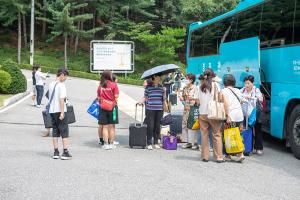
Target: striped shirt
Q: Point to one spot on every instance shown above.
(154, 97)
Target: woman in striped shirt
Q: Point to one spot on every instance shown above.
(154, 99)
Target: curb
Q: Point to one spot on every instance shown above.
(14, 99)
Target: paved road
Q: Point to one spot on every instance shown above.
(28, 172)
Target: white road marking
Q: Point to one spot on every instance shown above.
(15, 104)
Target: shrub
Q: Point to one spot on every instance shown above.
(18, 81)
(5, 81)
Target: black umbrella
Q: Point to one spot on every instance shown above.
(160, 70)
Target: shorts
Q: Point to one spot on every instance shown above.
(106, 117)
(60, 127)
(34, 90)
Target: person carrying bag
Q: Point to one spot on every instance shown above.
(208, 96)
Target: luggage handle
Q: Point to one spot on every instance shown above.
(135, 116)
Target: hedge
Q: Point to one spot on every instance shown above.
(5, 81)
(18, 80)
(86, 75)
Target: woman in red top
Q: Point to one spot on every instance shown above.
(108, 91)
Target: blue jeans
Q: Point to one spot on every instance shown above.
(39, 94)
(199, 138)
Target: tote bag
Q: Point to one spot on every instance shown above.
(233, 141)
(216, 108)
(193, 122)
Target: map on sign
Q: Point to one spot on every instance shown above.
(112, 55)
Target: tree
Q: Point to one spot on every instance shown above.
(10, 11)
(160, 48)
(63, 24)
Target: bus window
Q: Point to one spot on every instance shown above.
(296, 35)
(196, 43)
(228, 29)
(277, 23)
(248, 23)
(211, 40)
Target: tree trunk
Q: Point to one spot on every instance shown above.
(66, 57)
(94, 21)
(24, 31)
(19, 37)
(44, 26)
(77, 38)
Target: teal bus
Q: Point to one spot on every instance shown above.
(261, 38)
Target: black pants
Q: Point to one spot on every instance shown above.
(39, 94)
(258, 137)
(153, 125)
(60, 127)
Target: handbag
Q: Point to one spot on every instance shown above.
(94, 109)
(169, 142)
(233, 141)
(107, 104)
(216, 108)
(193, 122)
(166, 120)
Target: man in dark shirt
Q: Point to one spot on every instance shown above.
(168, 85)
(33, 85)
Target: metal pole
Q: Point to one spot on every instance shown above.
(32, 33)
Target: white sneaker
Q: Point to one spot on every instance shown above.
(156, 146)
(112, 146)
(195, 147)
(106, 147)
(211, 149)
(116, 143)
(149, 147)
(38, 106)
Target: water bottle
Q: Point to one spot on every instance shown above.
(114, 114)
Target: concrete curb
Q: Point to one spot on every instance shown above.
(14, 99)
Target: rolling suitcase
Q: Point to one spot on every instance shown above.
(138, 131)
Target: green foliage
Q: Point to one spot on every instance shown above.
(9, 10)
(18, 80)
(160, 47)
(5, 81)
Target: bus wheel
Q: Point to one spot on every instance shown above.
(294, 131)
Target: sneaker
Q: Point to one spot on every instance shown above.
(260, 152)
(101, 141)
(149, 147)
(195, 147)
(211, 149)
(112, 146)
(106, 147)
(241, 159)
(56, 155)
(38, 106)
(187, 145)
(66, 156)
(156, 146)
(116, 143)
(227, 158)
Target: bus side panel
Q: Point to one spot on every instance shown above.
(197, 65)
(281, 65)
(281, 95)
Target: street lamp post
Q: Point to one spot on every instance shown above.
(32, 33)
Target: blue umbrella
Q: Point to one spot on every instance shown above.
(160, 70)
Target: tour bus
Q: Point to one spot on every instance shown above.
(259, 38)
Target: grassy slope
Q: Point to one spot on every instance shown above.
(3, 97)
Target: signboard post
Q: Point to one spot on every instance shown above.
(117, 56)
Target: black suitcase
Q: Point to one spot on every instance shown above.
(138, 131)
(173, 99)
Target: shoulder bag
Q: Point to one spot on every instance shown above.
(216, 108)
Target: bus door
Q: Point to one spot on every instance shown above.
(241, 58)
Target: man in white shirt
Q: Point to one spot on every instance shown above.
(39, 84)
(58, 111)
